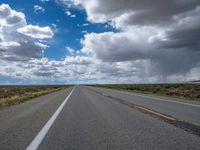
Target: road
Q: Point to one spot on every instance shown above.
(91, 118)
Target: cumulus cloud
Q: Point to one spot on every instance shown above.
(19, 40)
(115, 47)
(38, 9)
(164, 62)
(10, 17)
(156, 42)
(71, 69)
(162, 35)
(68, 13)
(70, 50)
(36, 32)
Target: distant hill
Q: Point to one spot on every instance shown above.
(196, 81)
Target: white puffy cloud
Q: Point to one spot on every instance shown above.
(38, 9)
(122, 46)
(19, 40)
(36, 32)
(70, 50)
(10, 17)
(68, 13)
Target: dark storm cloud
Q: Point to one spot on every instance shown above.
(158, 12)
(183, 38)
(140, 11)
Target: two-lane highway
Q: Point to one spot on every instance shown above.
(98, 119)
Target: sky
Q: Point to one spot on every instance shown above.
(99, 41)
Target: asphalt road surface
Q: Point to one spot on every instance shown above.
(90, 118)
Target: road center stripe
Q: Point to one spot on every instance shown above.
(40, 136)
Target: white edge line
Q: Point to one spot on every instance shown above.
(40, 136)
(160, 99)
(171, 101)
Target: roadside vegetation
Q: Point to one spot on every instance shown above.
(184, 91)
(10, 95)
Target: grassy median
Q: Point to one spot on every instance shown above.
(184, 91)
(10, 95)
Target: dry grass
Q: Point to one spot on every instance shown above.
(185, 91)
(10, 95)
